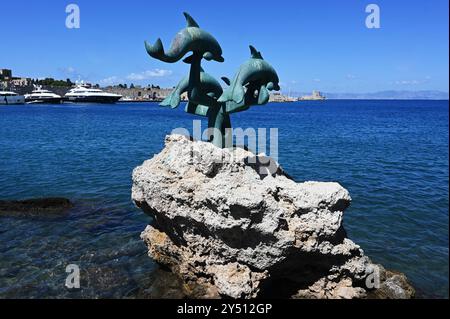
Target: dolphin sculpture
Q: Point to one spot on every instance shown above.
(208, 84)
(192, 38)
(197, 109)
(250, 86)
(254, 72)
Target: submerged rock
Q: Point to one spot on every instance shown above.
(162, 284)
(35, 207)
(230, 226)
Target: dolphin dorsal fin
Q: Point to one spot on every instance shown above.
(255, 53)
(190, 21)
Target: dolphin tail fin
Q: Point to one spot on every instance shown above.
(173, 100)
(157, 50)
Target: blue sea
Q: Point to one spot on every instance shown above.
(392, 156)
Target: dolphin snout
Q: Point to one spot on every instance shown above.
(219, 59)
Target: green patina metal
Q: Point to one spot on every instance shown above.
(250, 86)
(208, 83)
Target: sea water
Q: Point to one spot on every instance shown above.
(392, 156)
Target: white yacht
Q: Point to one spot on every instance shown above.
(11, 98)
(85, 94)
(42, 96)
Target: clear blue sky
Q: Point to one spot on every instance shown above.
(314, 44)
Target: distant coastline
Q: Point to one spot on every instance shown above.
(387, 95)
(132, 93)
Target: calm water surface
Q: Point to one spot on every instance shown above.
(391, 155)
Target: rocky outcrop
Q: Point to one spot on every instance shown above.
(232, 224)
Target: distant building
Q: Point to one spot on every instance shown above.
(316, 96)
(21, 81)
(280, 98)
(6, 79)
(139, 93)
(5, 75)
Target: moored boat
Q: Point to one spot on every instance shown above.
(85, 94)
(11, 98)
(40, 95)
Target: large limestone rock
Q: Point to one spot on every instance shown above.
(230, 225)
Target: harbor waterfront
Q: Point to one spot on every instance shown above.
(391, 155)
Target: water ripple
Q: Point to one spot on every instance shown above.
(391, 155)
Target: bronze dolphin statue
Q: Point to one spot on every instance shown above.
(192, 38)
(255, 71)
(208, 83)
